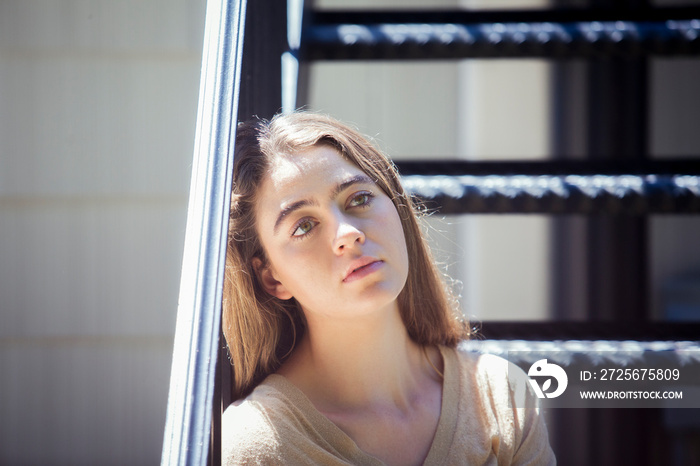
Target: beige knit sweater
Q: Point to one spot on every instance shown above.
(489, 416)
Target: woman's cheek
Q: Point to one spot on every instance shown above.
(299, 266)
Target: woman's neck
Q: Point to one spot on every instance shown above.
(369, 361)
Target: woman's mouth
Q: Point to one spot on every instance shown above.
(362, 268)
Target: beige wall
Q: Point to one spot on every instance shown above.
(97, 109)
(505, 115)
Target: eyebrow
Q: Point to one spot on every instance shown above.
(337, 189)
(342, 186)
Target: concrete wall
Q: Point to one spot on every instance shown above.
(97, 109)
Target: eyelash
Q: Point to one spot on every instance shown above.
(362, 194)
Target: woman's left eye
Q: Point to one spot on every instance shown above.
(361, 199)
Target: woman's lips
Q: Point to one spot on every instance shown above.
(363, 271)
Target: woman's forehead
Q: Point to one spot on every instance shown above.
(315, 166)
(304, 178)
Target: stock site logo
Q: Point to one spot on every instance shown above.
(547, 371)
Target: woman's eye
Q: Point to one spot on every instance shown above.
(304, 227)
(361, 200)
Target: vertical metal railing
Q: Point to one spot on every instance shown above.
(188, 422)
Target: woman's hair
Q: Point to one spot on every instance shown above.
(262, 330)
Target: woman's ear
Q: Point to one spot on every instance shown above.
(269, 282)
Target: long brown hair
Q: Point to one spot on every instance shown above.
(262, 330)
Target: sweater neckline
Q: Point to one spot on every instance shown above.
(339, 440)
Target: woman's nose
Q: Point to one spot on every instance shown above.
(347, 236)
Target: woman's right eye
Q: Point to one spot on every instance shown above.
(304, 227)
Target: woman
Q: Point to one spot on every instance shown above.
(341, 332)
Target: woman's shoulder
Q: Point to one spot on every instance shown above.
(496, 381)
(495, 370)
(253, 410)
(277, 424)
(257, 428)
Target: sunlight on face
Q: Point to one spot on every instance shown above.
(333, 238)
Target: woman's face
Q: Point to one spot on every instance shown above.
(333, 238)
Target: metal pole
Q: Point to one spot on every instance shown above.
(188, 420)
